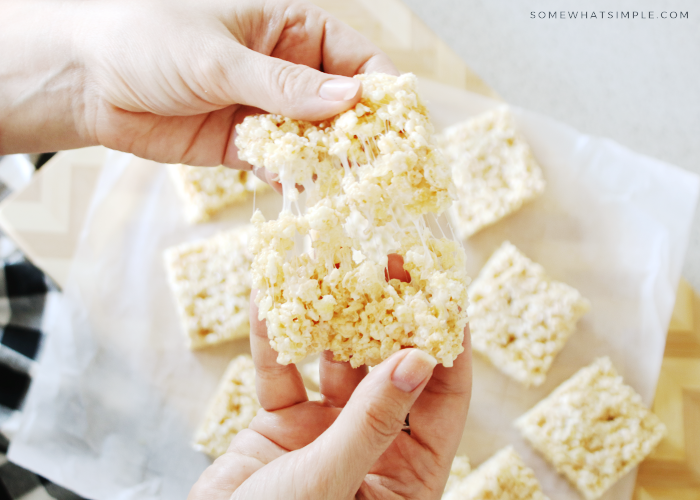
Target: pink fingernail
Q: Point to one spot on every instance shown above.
(339, 89)
(413, 370)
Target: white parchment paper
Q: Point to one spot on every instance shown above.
(113, 408)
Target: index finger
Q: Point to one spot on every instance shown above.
(278, 386)
(314, 38)
(346, 52)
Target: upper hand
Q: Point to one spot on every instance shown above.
(172, 79)
(169, 80)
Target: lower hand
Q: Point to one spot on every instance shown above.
(351, 444)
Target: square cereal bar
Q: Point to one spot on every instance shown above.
(493, 168)
(503, 476)
(519, 318)
(593, 428)
(207, 190)
(210, 280)
(233, 406)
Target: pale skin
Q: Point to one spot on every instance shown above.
(350, 444)
(168, 81)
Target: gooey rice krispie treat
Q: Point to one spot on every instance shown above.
(370, 175)
(504, 476)
(494, 170)
(593, 428)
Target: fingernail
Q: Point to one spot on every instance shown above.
(339, 90)
(413, 370)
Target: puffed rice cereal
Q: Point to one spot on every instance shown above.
(206, 191)
(593, 428)
(233, 406)
(520, 318)
(210, 280)
(504, 476)
(459, 471)
(494, 170)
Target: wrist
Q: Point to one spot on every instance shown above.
(42, 77)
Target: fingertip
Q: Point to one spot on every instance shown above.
(271, 179)
(335, 95)
(341, 89)
(413, 370)
(236, 164)
(395, 269)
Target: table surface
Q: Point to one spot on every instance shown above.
(632, 80)
(45, 220)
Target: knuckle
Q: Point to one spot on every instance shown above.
(212, 68)
(383, 420)
(291, 80)
(270, 372)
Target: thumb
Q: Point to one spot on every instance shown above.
(371, 421)
(288, 89)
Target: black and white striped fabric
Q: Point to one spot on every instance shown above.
(23, 289)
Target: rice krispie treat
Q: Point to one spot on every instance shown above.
(493, 167)
(210, 280)
(593, 428)
(369, 176)
(233, 406)
(519, 318)
(459, 470)
(504, 476)
(207, 190)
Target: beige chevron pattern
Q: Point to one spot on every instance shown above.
(407, 40)
(45, 219)
(672, 472)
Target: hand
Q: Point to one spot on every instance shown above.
(168, 81)
(349, 445)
